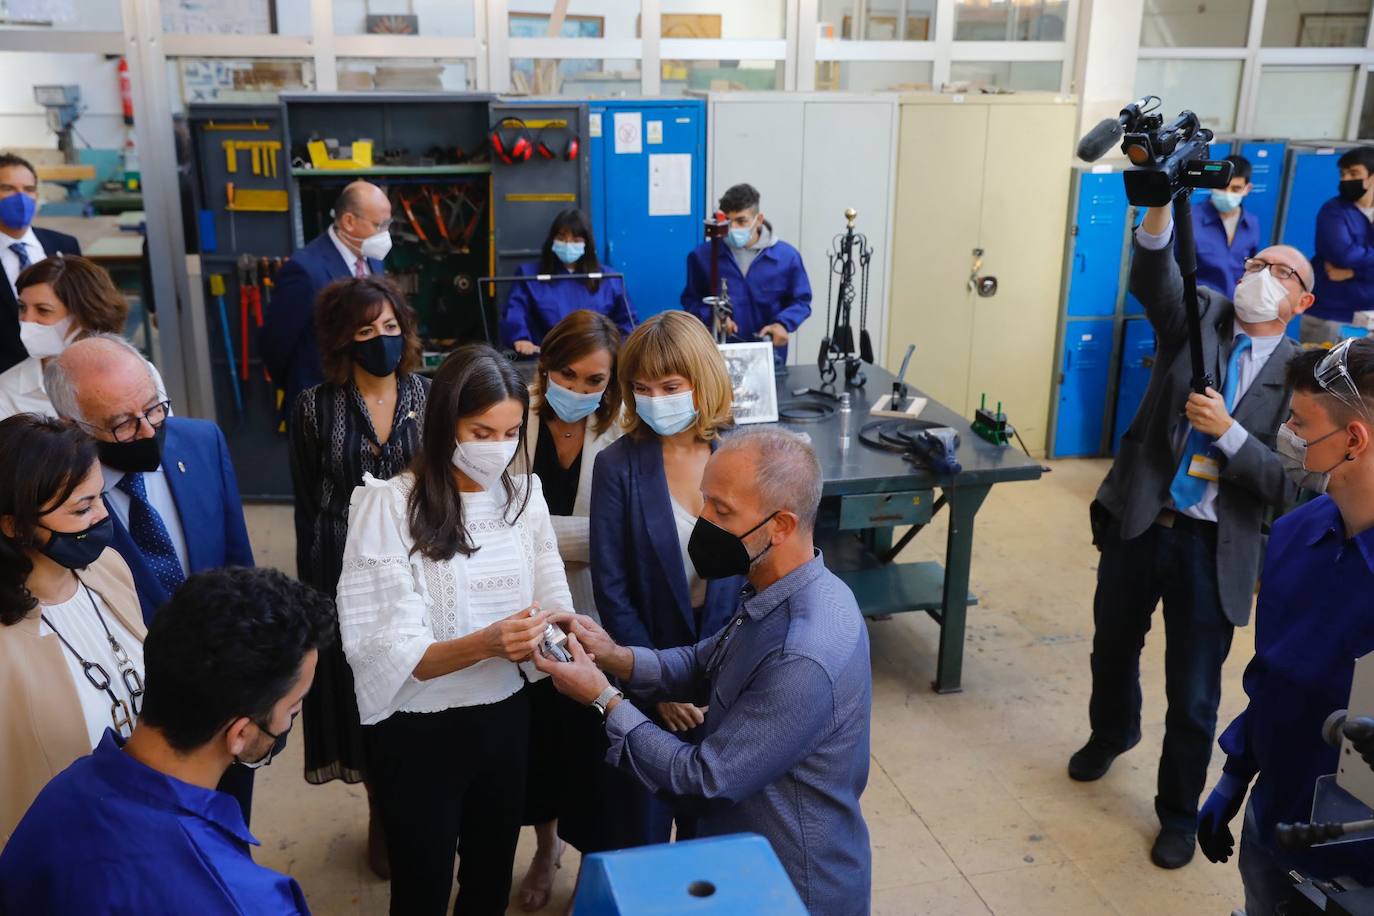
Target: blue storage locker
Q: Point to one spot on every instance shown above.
(1098, 235)
(1137, 359)
(1266, 168)
(1084, 368)
(649, 248)
(1312, 180)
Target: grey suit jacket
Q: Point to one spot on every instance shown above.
(1137, 486)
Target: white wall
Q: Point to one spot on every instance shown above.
(22, 122)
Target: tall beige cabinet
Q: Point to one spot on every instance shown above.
(989, 174)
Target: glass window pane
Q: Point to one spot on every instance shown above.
(873, 75)
(100, 126)
(590, 77)
(428, 18)
(68, 16)
(1310, 103)
(218, 79)
(404, 74)
(723, 19)
(682, 76)
(1190, 24)
(1025, 75)
(1010, 20)
(1209, 88)
(583, 19)
(1316, 23)
(242, 17)
(877, 20)
(1367, 110)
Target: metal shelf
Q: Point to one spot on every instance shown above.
(476, 169)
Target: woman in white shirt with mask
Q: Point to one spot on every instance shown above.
(450, 573)
(61, 300)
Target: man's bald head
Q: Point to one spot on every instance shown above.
(1292, 257)
(358, 195)
(99, 381)
(362, 210)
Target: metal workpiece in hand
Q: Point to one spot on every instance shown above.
(850, 258)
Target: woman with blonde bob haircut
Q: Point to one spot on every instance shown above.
(646, 496)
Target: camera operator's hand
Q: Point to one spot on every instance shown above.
(518, 636)
(578, 680)
(1213, 821)
(1207, 413)
(680, 717)
(1337, 274)
(1157, 220)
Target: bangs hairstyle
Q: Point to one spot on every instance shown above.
(472, 380)
(579, 335)
(677, 343)
(573, 221)
(346, 305)
(1359, 362)
(85, 288)
(42, 462)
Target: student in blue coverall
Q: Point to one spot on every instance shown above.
(1345, 250)
(535, 306)
(1226, 233)
(764, 276)
(1314, 617)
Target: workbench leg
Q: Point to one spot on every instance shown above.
(964, 503)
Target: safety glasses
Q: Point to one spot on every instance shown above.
(1333, 375)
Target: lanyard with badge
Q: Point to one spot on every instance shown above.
(99, 678)
(716, 659)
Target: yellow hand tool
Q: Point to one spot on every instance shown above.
(231, 159)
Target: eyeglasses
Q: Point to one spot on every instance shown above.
(127, 430)
(383, 226)
(1279, 271)
(1333, 374)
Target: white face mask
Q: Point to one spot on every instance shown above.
(376, 246)
(484, 462)
(44, 340)
(1259, 297)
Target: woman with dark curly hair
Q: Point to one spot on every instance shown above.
(71, 630)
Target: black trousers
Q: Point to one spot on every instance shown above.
(446, 780)
(1177, 565)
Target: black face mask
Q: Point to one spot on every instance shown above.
(140, 456)
(718, 554)
(379, 355)
(79, 550)
(278, 745)
(1352, 189)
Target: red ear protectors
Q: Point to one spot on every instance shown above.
(558, 143)
(511, 142)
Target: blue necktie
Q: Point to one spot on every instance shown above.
(150, 534)
(1188, 491)
(21, 251)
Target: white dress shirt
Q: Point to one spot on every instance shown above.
(349, 258)
(10, 260)
(76, 620)
(159, 495)
(394, 603)
(1251, 362)
(22, 391)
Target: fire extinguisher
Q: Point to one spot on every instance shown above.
(126, 91)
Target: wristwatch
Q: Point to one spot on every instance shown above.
(604, 700)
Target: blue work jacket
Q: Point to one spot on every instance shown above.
(776, 289)
(535, 306)
(1344, 239)
(1220, 263)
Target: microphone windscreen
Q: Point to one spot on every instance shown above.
(1101, 138)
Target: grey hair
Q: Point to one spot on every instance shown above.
(787, 473)
(62, 391)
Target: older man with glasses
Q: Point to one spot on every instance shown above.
(1181, 515)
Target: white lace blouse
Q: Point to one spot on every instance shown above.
(394, 604)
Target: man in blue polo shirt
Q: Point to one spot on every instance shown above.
(1314, 617)
(1226, 233)
(764, 276)
(138, 827)
(1345, 250)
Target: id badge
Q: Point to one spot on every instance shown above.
(1205, 467)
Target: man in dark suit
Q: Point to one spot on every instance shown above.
(353, 246)
(21, 244)
(1182, 511)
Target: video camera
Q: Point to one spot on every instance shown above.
(1165, 158)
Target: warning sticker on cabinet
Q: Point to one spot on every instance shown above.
(670, 184)
(629, 130)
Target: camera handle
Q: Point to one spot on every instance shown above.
(1185, 252)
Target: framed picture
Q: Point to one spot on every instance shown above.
(750, 367)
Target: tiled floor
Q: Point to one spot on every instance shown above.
(967, 803)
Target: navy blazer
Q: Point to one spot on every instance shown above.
(636, 560)
(1220, 263)
(12, 349)
(195, 459)
(287, 338)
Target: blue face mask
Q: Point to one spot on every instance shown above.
(17, 210)
(570, 405)
(666, 415)
(1225, 201)
(740, 237)
(569, 252)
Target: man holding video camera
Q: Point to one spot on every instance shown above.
(1180, 516)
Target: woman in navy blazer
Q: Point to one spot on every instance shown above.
(645, 498)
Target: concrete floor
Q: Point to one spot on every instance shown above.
(968, 805)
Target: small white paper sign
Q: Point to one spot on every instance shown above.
(670, 184)
(654, 132)
(629, 131)
(594, 124)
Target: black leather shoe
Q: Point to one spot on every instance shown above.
(1092, 761)
(1173, 848)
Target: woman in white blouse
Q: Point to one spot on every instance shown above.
(61, 300)
(71, 634)
(450, 573)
